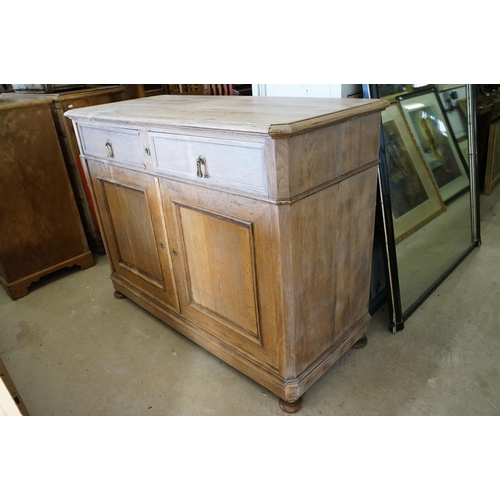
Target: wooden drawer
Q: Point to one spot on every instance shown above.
(120, 145)
(240, 165)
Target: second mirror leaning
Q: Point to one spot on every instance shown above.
(425, 135)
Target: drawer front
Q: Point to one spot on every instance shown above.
(239, 165)
(121, 145)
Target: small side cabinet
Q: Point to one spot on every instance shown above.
(41, 229)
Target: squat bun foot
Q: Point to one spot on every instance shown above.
(288, 407)
(360, 343)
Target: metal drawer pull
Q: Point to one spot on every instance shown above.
(199, 162)
(109, 149)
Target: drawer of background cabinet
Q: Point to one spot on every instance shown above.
(227, 163)
(121, 145)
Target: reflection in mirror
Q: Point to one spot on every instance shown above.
(436, 141)
(425, 135)
(453, 97)
(488, 132)
(425, 256)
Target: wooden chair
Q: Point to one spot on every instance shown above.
(186, 88)
(220, 89)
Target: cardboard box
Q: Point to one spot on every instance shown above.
(10, 400)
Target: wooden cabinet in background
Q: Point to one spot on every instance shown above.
(492, 171)
(40, 226)
(60, 103)
(244, 223)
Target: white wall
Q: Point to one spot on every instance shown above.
(306, 89)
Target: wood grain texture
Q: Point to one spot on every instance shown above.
(134, 231)
(121, 145)
(39, 220)
(313, 255)
(61, 102)
(237, 164)
(492, 172)
(354, 241)
(276, 116)
(219, 89)
(225, 264)
(225, 270)
(359, 142)
(16, 101)
(275, 282)
(300, 166)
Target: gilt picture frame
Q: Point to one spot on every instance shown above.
(415, 198)
(426, 119)
(390, 91)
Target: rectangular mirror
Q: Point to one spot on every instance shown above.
(426, 188)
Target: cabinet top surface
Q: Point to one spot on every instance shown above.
(11, 100)
(62, 95)
(266, 115)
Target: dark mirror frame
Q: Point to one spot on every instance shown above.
(384, 255)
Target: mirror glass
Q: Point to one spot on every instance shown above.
(426, 157)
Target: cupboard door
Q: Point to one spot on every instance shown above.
(130, 211)
(226, 261)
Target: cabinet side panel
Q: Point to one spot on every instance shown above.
(278, 168)
(322, 155)
(353, 259)
(314, 158)
(359, 142)
(314, 223)
(39, 220)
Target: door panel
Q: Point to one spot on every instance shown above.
(227, 266)
(221, 278)
(136, 240)
(134, 235)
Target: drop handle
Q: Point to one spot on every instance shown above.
(199, 162)
(109, 149)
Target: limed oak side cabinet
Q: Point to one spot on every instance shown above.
(245, 223)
